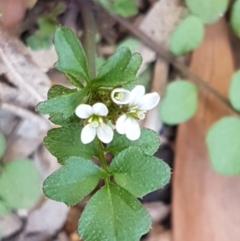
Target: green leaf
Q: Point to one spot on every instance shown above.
(74, 81)
(113, 214)
(149, 142)
(4, 209)
(43, 38)
(234, 90)
(57, 90)
(20, 185)
(58, 118)
(235, 17)
(72, 59)
(73, 181)
(99, 62)
(139, 173)
(125, 8)
(129, 42)
(208, 10)
(106, 4)
(2, 145)
(37, 42)
(187, 36)
(179, 103)
(223, 142)
(64, 104)
(65, 142)
(121, 68)
(47, 26)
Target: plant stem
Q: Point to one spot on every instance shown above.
(102, 157)
(103, 162)
(89, 36)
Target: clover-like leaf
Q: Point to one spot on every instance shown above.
(2, 145)
(223, 142)
(58, 90)
(235, 17)
(72, 59)
(113, 214)
(73, 181)
(148, 142)
(208, 11)
(139, 173)
(125, 8)
(129, 42)
(20, 185)
(121, 68)
(74, 81)
(65, 142)
(187, 36)
(179, 103)
(4, 209)
(47, 26)
(63, 104)
(58, 118)
(234, 90)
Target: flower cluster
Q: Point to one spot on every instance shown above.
(132, 106)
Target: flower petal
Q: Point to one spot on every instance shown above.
(126, 96)
(100, 109)
(137, 94)
(105, 133)
(88, 134)
(84, 111)
(132, 129)
(120, 124)
(149, 101)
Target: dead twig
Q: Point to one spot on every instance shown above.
(23, 113)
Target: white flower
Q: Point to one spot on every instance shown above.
(138, 106)
(120, 96)
(96, 126)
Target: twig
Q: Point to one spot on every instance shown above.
(17, 76)
(171, 59)
(23, 113)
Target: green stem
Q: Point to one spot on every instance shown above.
(89, 36)
(103, 162)
(102, 157)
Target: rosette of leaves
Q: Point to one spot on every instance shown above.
(114, 211)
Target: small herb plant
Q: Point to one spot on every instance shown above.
(99, 116)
